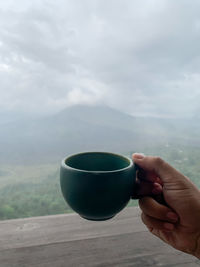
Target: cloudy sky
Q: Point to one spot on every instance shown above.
(142, 57)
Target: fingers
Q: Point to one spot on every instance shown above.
(156, 165)
(155, 224)
(153, 209)
(148, 176)
(147, 183)
(162, 169)
(145, 189)
(156, 216)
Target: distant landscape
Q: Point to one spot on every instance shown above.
(32, 149)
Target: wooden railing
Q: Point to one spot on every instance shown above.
(68, 240)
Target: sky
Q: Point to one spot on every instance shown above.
(141, 57)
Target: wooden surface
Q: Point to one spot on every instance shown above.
(68, 240)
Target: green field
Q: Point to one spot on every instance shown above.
(33, 190)
(27, 191)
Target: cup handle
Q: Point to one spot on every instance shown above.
(135, 187)
(159, 198)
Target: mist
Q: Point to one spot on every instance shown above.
(139, 58)
(95, 75)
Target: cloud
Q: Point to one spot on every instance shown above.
(139, 57)
(89, 92)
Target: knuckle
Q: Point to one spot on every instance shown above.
(158, 161)
(142, 202)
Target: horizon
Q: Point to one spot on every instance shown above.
(10, 116)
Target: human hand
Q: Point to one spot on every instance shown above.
(178, 221)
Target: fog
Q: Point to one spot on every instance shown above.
(135, 56)
(93, 75)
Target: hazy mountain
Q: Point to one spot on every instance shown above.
(82, 128)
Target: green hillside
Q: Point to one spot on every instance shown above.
(32, 148)
(81, 128)
(34, 190)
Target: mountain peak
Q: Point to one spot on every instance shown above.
(83, 111)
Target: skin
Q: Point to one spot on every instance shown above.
(170, 204)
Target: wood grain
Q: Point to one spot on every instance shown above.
(68, 240)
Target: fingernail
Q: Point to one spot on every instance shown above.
(172, 216)
(138, 155)
(169, 226)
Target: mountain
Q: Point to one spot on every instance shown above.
(84, 128)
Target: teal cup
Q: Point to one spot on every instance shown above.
(97, 185)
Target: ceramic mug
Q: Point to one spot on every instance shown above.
(97, 185)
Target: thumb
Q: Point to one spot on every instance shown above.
(162, 169)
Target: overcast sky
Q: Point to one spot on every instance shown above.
(142, 57)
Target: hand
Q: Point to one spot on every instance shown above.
(178, 221)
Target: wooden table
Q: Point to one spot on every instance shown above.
(68, 240)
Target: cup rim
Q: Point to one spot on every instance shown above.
(64, 165)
